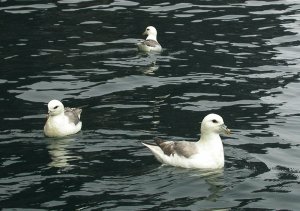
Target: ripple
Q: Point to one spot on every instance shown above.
(238, 59)
(92, 44)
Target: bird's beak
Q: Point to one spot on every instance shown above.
(145, 33)
(225, 129)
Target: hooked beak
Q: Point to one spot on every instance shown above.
(225, 129)
(145, 33)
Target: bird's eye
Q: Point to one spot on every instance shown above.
(148, 29)
(55, 107)
(214, 121)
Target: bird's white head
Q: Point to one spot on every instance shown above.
(151, 32)
(213, 123)
(55, 107)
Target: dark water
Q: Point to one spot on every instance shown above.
(237, 58)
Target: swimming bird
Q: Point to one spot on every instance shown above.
(151, 43)
(207, 153)
(62, 121)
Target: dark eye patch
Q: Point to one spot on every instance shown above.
(55, 107)
(214, 121)
(148, 29)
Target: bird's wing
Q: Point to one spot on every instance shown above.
(180, 148)
(150, 43)
(73, 114)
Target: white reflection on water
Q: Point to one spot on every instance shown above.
(60, 154)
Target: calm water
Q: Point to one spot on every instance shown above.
(237, 58)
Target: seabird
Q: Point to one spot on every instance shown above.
(62, 121)
(207, 153)
(150, 44)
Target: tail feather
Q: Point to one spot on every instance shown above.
(149, 144)
(158, 140)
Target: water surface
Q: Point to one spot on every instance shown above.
(239, 59)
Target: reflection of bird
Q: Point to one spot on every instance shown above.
(206, 153)
(60, 154)
(62, 121)
(150, 44)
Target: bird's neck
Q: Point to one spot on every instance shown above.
(211, 140)
(57, 115)
(151, 37)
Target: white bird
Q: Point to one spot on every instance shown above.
(207, 153)
(151, 43)
(62, 121)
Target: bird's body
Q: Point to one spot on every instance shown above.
(150, 44)
(62, 121)
(207, 153)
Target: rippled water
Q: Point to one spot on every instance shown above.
(239, 59)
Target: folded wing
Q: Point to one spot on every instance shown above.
(180, 148)
(73, 114)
